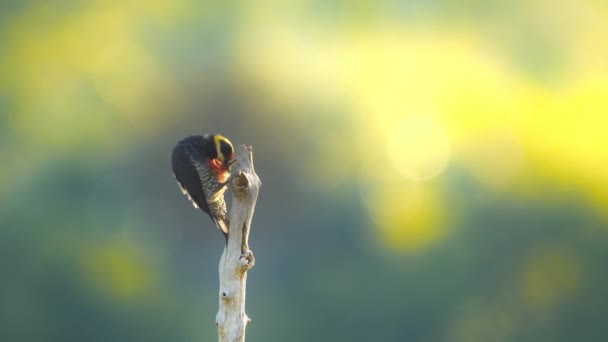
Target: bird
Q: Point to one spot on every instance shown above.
(201, 165)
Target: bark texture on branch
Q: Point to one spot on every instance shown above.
(237, 258)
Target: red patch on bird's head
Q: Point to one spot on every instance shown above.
(220, 169)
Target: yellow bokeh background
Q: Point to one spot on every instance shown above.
(418, 117)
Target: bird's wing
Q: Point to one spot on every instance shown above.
(188, 178)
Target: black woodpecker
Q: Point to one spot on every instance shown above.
(201, 165)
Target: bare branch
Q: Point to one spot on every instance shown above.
(237, 258)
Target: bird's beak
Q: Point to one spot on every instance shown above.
(231, 162)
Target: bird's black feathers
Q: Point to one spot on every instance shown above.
(186, 174)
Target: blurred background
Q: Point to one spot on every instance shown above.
(433, 170)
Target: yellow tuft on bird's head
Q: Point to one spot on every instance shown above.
(225, 151)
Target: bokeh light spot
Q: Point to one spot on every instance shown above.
(409, 217)
(418, 148)
(549, 277)
(119, 270)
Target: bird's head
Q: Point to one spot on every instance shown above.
(224, 154)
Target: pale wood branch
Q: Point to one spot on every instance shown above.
(237, 258)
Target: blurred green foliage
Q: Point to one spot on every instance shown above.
(433, 170)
